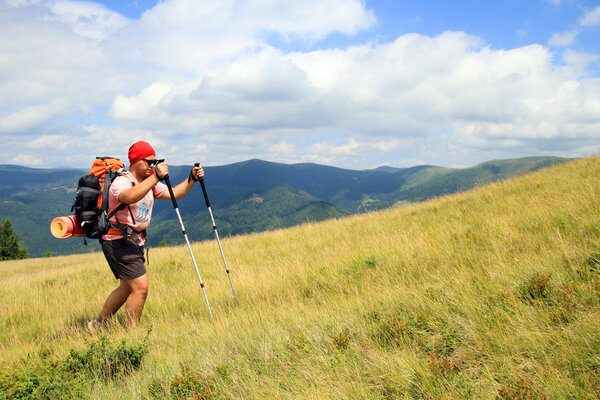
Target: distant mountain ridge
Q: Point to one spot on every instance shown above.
(248, 196)
(15, 179)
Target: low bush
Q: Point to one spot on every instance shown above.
(342, 339)
(106, 361)
(188, 384)
(47, 376)
(39, 377)
(538, 287)
(521, 388)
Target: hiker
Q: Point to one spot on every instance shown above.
(137, 187)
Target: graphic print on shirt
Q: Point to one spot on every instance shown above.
(143, 211)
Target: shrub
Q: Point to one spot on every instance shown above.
(589, 269)
(342, 339)
(565, 302)
(299, 344)
(538, 287)
(370, 262)
(389, 329)
(442, 340)
(103, 360)
(433, 335)
(443, 365)
(38, 377)
(189, 384)
(44, 376)
(521, 388)
(362, 264)
(593, 262)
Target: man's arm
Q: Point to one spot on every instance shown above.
(137, 192)
(184, 187)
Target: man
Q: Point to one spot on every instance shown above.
(136, 190)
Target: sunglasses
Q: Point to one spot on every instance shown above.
(153, 162)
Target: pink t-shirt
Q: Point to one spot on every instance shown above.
(142, 210)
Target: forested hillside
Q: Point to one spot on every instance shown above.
(246, 197)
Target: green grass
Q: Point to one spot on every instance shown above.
(489, 294)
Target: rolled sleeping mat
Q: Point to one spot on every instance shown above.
(67, 226)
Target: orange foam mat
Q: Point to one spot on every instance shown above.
(66, 226)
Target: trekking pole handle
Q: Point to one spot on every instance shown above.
(203, 188)
(168, 182)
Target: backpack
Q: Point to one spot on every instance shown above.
(91, 198)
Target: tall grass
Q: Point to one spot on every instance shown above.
(492, 293)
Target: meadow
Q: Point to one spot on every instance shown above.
(489, 294)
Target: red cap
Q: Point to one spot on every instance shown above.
(140, 150)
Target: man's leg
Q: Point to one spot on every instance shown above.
(115, 300)
(137, 298)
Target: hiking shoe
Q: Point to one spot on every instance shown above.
(97, 324)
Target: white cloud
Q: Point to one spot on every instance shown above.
(22, 3)
(200, 148)
(25, 159)
(579, 61)
(87, 19)
(195, 34)
(563, 39)
(591, 18)
(567, 38)
(49, 72)
(265, 76)
(141, 107)
(56, 142)
(76, 147)
(282, 148)
(350, 151)
(307, 19)
(381, 90)
(30, 117)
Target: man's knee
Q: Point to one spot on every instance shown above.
(139, 286)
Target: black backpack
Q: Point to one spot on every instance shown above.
(91, 199)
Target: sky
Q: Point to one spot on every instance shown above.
(350, 83)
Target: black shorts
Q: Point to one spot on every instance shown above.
(126, 259)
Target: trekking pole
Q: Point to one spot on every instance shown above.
(167, 181)
(215, 229)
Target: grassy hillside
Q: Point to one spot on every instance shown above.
(493, 293)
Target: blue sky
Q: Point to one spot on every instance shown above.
(349, 83)
(502, 24)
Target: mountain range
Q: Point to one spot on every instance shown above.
(246, 197)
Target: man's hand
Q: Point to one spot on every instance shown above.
(184, 187)
(161, 170)
(197, 173)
